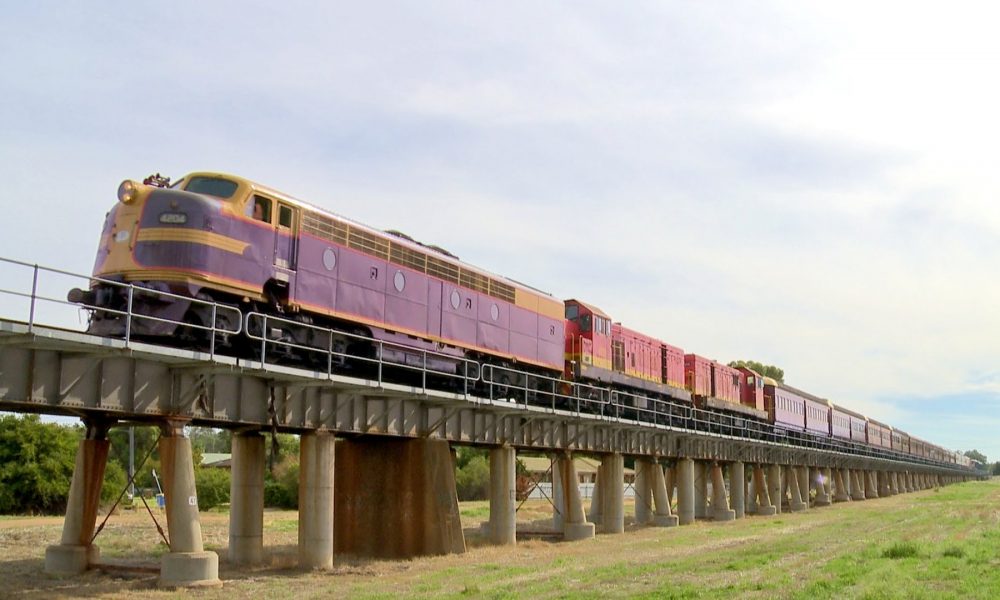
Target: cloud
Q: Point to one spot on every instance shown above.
(806, 186)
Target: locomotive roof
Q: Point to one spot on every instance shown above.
(591, 308)
(402, 240)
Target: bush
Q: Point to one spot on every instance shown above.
(36, 464)
(281, 489)
(473, 480)
(114, 482)
(213, 487)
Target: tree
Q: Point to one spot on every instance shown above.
(36, 464)
(771, 371)
(472, 481)
(996, 468)
(146, 438)
(976, 455)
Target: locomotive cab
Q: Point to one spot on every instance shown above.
(751, 388)
(588, 342)
(174, 243)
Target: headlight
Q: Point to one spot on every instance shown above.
(128, 191)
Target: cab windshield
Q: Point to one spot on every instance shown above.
(212, 186)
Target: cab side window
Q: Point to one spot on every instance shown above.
(284, 216)
(261, 209)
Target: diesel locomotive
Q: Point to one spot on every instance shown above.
(208, 258)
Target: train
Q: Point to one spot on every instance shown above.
(172, 253)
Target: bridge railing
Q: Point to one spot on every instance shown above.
(330, 348)
(39, 286)
(37, 299)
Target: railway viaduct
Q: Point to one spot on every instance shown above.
(386, 486)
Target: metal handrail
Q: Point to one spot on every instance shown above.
(623, 406)
(129, 314)
(468, 371)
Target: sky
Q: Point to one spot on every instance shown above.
(804, 184)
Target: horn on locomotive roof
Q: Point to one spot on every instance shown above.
(157, 180)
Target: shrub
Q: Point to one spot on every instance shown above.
(954, 552)
(473, 480)
(36, 464)
(114, 482)
(213, 487)
(281, 488)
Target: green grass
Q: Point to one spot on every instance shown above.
(901, 550)
(943, 544)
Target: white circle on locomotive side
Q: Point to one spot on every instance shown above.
(495, 312)
(329, 259)
(456, 299)
(399, 281)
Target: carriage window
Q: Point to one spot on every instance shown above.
(284, 216)
(585, 323)
(572, 311)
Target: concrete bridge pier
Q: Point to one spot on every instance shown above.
(737, 488)
(858, 485)
(821, 481)
(75, 552)
(246, 504)
(803, 475)
(792, 479)
(502, 526)
(897, 487)
(685, 491)
(643, 491)
(594, 514)
(316, 492)
(612, 471)
(559, 496)
(775, 489)
(871, 485)
(662, 516)
(762, 496)
(883, 484)
(187, 564)
(670, 475)
(720, 504)
(575, 525)
(841, 491)
(701, 477)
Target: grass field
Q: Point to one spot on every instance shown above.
(934, 544)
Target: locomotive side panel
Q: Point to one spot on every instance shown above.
(406, 299)
(673, 365)
(361, 286)
(698, 375)
(725, 382)
(524, 332)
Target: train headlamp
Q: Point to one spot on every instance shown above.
(128, 191)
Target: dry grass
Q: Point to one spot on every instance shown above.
(951, 539)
